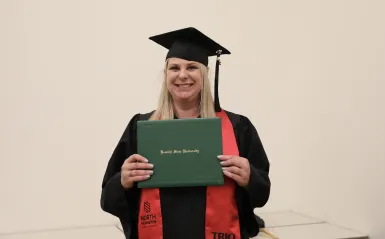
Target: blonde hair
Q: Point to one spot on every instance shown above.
(165, 102)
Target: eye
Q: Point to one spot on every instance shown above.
(173, 68)
(192, 67)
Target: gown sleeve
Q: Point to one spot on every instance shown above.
(114, 198)
(258, 188)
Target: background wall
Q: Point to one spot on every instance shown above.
(309, 74)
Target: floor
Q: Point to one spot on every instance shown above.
(284, 225)
(100, 232)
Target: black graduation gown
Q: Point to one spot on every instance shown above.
(183, 209)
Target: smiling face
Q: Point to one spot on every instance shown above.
(184, 79)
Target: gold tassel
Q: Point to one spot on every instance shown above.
(269, 234)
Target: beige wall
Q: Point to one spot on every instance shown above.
(309, 74)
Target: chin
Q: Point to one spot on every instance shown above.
(185, 96)
(184, 93)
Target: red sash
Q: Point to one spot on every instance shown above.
(221, 222)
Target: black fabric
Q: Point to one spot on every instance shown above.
(183, 209)
(183, 212)
(188, 51)
(189, 44)
(261, 222)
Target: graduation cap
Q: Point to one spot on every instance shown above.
(192, 45)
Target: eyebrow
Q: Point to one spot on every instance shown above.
(188, 64)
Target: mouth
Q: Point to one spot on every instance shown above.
(183, 85)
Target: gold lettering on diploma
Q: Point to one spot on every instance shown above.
(179, 151)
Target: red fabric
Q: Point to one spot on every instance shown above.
(222, 221)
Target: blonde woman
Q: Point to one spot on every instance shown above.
(191, 212)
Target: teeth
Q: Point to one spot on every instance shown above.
(184, 86)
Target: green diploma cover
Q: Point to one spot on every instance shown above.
(184, 152)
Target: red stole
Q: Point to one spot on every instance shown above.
(221, 222)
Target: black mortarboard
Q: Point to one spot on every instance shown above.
(262, 227)
(192, 45)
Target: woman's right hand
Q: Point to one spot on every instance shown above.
(135, 168)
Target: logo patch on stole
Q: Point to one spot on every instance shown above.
(222, 235)
(149, 219)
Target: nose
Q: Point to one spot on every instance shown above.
(183, 74)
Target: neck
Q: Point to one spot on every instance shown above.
(186, 110)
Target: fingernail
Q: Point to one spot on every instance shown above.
(219, 156)
(151, 172)
(222, 162)
(151, 165)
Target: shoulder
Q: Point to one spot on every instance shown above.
(140, 116)
(145, 116)
(239, 121)
(130, 130)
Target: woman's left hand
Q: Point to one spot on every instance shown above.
(237, 168)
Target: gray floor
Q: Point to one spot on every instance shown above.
(285, 225)
(100, 232)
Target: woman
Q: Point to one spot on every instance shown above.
(191, 212)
